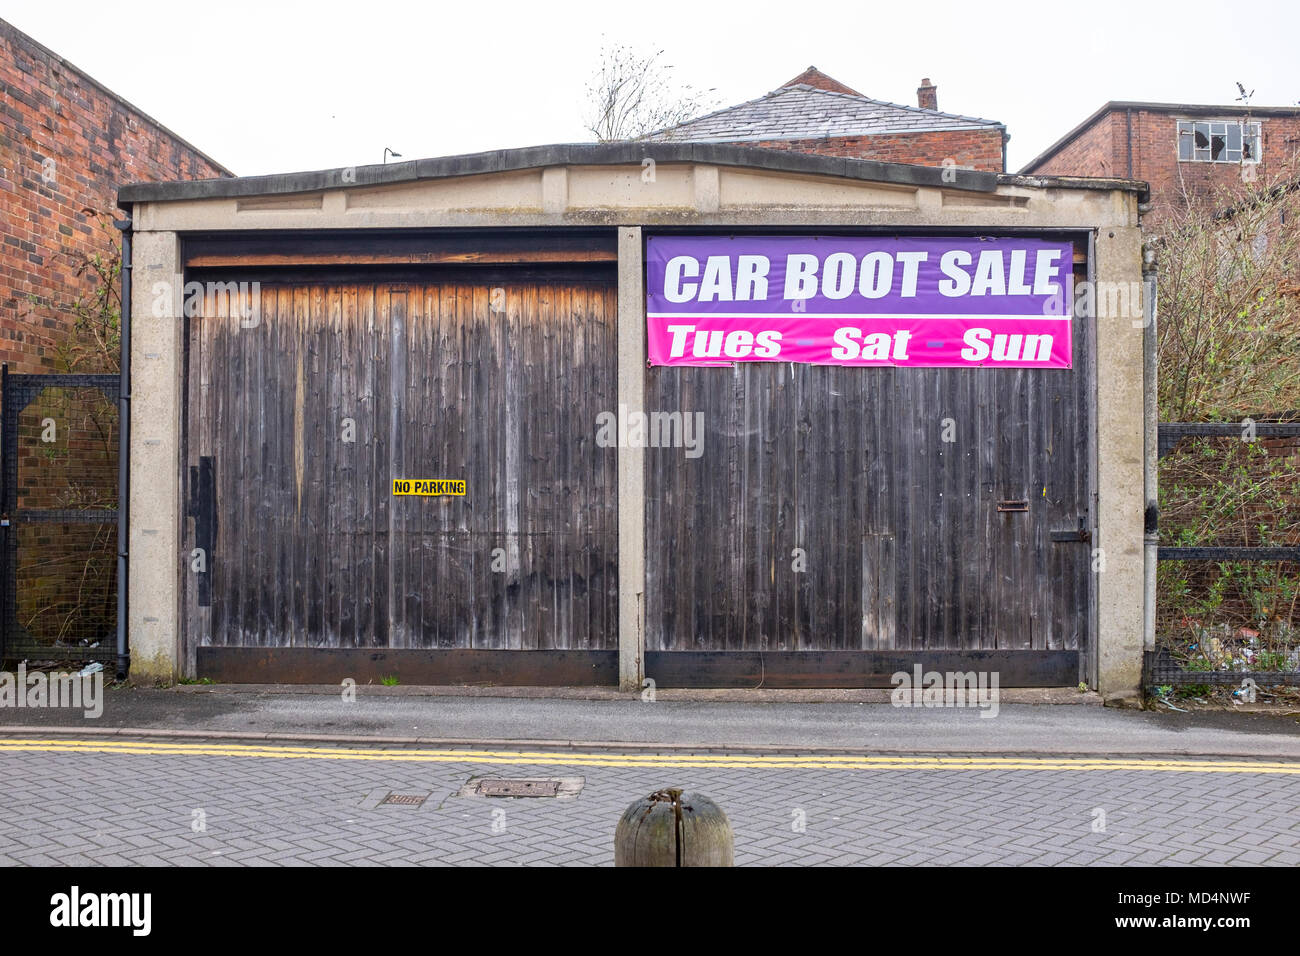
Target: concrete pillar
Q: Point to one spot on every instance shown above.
(1119, 472)
(156, 402)
(706, 186)
(631, 462)
(555, 189)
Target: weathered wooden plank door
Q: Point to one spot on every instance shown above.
(302, 417)
(840, 520)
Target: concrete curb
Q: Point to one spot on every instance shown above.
(865, 695)
(535, 744)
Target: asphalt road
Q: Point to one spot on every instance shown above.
(1019, 728)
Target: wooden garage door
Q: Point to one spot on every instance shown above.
(301, 417)
(842, 524)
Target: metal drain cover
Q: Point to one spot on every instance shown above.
(500, 787)
(406, 799)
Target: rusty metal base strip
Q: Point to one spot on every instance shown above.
(687, 669)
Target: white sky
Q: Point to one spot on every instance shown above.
(273, 86)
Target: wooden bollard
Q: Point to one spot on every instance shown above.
(674, 828)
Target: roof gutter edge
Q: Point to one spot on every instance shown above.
(581, 154)
(1142, 189)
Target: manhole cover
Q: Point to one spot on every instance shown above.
(406, 799)
(518, 788)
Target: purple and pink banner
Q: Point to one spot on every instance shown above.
(836, 300)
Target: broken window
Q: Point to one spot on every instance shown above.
(1218, 142)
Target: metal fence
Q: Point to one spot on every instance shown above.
(1160, 666)
(58, 517)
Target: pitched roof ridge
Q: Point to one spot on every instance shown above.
(900, 106)
(881, 114)
(813, 73)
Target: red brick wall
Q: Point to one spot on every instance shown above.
(816, 78)
(50, 111)
(1091, 153)
(1102, 150)
(978, 148)
(1173, 182)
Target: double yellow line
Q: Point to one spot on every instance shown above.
(564, 758)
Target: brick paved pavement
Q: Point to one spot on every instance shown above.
(96, 808)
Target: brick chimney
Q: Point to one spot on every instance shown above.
(927, 95)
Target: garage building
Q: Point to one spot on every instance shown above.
(302, 345)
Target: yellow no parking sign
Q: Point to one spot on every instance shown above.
(429, 486)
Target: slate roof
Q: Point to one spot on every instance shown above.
(801, 111)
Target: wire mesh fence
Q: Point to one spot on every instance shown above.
(1228, 582)
(58, 527)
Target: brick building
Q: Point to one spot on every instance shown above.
(814, 113)
(66, 144)
(1185, 152)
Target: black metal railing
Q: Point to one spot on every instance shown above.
(1160, 666)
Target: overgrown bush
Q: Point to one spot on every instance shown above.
(1229, 349)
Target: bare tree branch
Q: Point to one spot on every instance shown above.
(632, 94)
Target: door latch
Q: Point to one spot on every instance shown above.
(1082, 534)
